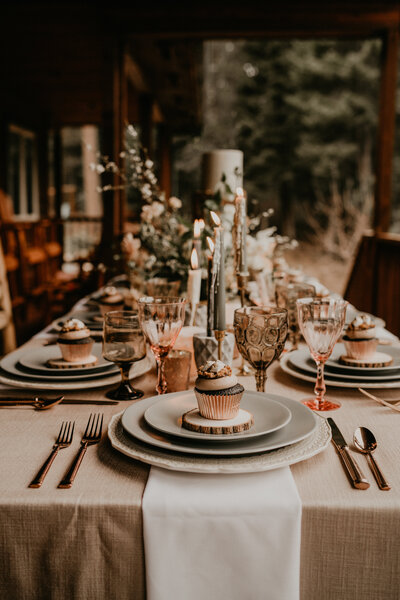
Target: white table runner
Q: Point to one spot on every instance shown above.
(222, 536)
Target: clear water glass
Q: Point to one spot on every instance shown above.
(123, 344)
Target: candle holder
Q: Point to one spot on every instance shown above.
(206, 348)
(242, 281)
(219, 336)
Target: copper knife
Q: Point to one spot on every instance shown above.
(357, 477)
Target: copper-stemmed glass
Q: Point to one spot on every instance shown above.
(123, 344)
(286, 295)
(260, 333)
(321, 322)
(161, 319)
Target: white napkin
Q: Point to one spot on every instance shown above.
(233, 537)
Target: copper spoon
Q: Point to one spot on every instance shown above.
(365, 441)
(37, 402)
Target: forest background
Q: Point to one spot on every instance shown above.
(305, 115)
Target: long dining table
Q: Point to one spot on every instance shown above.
(86, 542)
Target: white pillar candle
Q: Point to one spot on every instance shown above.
(217, 163)
(194, 283)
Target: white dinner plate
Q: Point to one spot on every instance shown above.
(166, 416)
(300, 359)
(311, 445)
(301, 425)
(34, 360)
(290, 369)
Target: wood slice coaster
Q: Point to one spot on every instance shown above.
(379, 359)
(193, 421)
(60, 363)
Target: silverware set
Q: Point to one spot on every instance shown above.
(364, 441)
(91, 436)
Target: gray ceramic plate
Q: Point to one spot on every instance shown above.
(355, 382)
(300, 359)
(34, 361)
(166, 416)
(301, 425)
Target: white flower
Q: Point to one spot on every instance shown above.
(175, 203)
(130, 246)
(100, 169)
(182, 229)
(151, 211)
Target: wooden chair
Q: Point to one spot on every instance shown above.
(374, 283)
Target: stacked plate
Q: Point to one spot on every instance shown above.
(28, 368)
(299, 364)
(284, 432)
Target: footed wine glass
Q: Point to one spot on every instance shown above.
(286, 295)
(321, 322)
(161, 319)
(260, 333)
(123, 344)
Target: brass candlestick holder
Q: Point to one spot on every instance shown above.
(242, 281)
(219, 336)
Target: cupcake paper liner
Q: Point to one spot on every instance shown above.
(218, 406)
(361, 349)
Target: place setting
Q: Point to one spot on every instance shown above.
(359, 360)
(74, 362)
(219, 427)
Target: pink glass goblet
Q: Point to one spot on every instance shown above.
(161, 319)
(321, 322)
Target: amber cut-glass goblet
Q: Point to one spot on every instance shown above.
(321, 322)
(161, 319)
(260, 333)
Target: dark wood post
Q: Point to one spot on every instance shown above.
(165, 160)
(386, 133)
(114, 120)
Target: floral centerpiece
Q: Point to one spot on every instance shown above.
(161, 248)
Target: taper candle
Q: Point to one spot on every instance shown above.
(219, 294)
(194, 284)
(240, 228)
(196, 238)
(210, 288)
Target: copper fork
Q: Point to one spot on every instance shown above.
(91, 436)
(63, 440)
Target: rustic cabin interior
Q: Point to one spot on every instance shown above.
(221, 151)
(94, 70)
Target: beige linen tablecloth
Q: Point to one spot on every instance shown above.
(86, 542)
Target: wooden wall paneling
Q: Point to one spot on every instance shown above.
(57, 158)
(386, 130)
(146, 121)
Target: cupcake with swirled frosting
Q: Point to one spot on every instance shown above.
(111, 299)
(360, 338)
(74, 341)
(217, 391)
